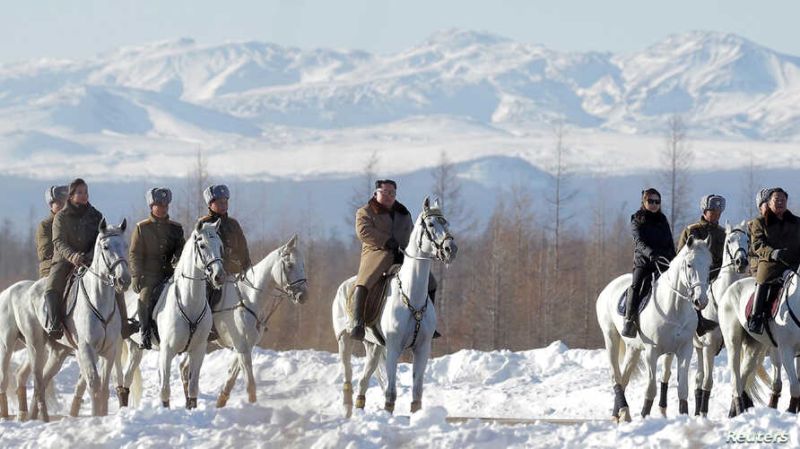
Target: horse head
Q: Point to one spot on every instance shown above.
(694, 269)
(290, 273)
(434, 234)
(737, 242)
(111, 251)
(208, 252)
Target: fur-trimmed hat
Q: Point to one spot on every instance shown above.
(762, 197)
(712, 202)
(215, 192)
(56, 194)
(158, 195)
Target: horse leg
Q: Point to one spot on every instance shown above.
(421, 354)
(107, 365)
(709, 353)
(373, 357)
(777, 383)
(23, 372)
(80, 389)
(233, 373)
(184, 368)
(196, 362)
(246, 361)
(5, 374)
(37, 355)
(613, 344)
(650, 393)
(666, 374)
(392, 356)
(345, 353)
(88, 359)
(787, 356)
(699, 379)
(131, 365)
(684, 358)
(165, 362)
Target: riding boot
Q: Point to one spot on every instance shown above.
(704, 325)
(359, 304)
(631, 313)
(755, 323)
(54, 315)
(127, 327)
(145, 325)
(432, 296)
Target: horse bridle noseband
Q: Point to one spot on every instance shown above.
(438, 245)
(108, 279)
(206, 265)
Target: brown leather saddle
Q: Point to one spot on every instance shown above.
(376, 297)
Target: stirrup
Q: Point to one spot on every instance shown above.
(755, 325)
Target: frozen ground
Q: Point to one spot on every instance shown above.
(299, 397)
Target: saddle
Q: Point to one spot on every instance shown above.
(376, 297)
(773, 296)
(647, 293)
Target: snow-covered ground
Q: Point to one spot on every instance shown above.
(299, 397)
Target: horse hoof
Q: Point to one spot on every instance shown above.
(22, 416)
(123, 394)
(416, 406)
(663, 411)
(251, 397)
(165, 404)
(624, 415)
(191, 403)
(222, 400)
(389, 407)
(361, 402)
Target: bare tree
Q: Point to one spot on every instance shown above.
(561, 194)
(197, 179)
(362, 191)
(749, 189)
(677, 158)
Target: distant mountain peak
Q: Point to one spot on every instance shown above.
(460, 38)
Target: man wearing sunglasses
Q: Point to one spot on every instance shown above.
(384, 227)
(712, 207)
(653, 250)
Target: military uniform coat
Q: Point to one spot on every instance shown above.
(237, 256)
(769, 234)
(44, 245)
(156, 245)
(75, 230)
(701, 230)
(375, 225)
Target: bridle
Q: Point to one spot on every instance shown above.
(198, 253)
(438, 245)
(106, 279)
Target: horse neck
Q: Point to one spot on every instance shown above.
(262, 278)
(669, 283)
(187, 278)
(414, 272)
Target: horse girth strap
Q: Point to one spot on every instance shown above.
(417, 314)
(192, 324)
(242, 304)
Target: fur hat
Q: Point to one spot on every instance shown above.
(215, 192)
(55, 194)
(762, 197)
(712, 202)
(158, 195)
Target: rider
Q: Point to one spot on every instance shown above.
(761, 203)
(776, 240)
(236, 259)
(156, 245)
(653, 250)
(55, 196)
(75, 230)
(384, 227)
(712, 207)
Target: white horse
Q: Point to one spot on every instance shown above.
(734, 267)
(666, 325)
(10, 341)
(407, 321)
(91, 326)
(747, 350)
(182, 311)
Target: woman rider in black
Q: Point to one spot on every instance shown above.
(653, 250)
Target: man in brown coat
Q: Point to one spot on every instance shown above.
(761, 204)
(384, 226)
(712, 207)
(75, 230)
(236, 259)
(55, 196)
(776, 241)
(156, 246)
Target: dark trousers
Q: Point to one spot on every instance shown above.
(641, 283)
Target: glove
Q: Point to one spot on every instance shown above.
(777, 254)
(392, 244)
(136, 284)
(77, 259)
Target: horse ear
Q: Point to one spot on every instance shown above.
(708, 240)
(124, 224)
(103, 225)
(426, 204)
(291, 243)
(727, 228)
(436, 203)
(690, 241)
(198, 226)
(216, 225)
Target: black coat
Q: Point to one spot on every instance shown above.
(652, 238)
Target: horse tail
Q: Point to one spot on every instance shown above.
(759, 385)
(136, 383)
(381, 350)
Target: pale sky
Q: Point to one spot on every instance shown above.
(75, 29)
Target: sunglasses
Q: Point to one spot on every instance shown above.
(387, 192)
(649, 201)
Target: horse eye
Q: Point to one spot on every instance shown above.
(689, 265)
(105, 247)
(202, 246)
